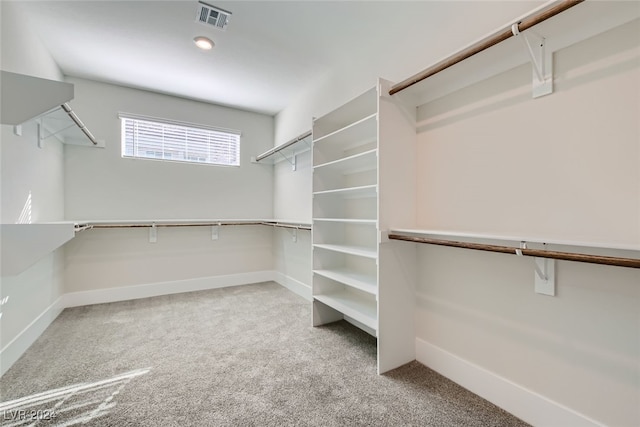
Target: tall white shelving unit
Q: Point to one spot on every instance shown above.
(355, 147)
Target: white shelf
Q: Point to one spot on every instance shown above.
(361, 106)
(128, 223)
(357, 163)
(354, 134)
(347, 220)
(350, 250)
(359, 281)
(351, 305)
(174, 222)
(352, 192)
(345, 213)
(289, 149)
(43, 95)
(25, 244)
(48, 100)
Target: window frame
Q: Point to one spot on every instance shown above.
(186, 154)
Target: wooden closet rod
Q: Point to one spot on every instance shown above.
(485, 43)
(283, 146)
(565, 256)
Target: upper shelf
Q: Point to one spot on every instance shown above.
(287, 150)
(350, 192)
(24, 244)
(25, 98)
(353, 134)
(356, 163)
(353, 111)
(153, 223)
(581, 22)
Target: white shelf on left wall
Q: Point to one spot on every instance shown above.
(22, 245)
(25, 244)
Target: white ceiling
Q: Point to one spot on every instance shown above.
(270, 51)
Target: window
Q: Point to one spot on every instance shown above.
(159, 139)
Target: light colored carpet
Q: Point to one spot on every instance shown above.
(241, 356)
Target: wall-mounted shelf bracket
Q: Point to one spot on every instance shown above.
(545, 273)
(41, 136)
(545, 276)
(153, 233)
(291, 161)
(292, 148)
(215, 232)
(63, 124)
(44, 132)
(541, 60)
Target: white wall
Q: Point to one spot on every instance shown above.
(32, 177)
(34, 301)
(292, 260)
(102, 259)
(491, 159)
(410, 47)
(31, 180)
(100, 184)
(27, 169)
(22, 51)
(292, 189)
(292, 202)
(566, 166)
(563, 166)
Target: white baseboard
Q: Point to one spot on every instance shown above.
(125, 293)
(525, 404)
(14, 349)
(293, 285)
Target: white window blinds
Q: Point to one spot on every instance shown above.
(151, 138)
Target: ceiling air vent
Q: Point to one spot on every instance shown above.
(212, 15)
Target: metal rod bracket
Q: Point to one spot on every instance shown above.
(215, 232)
(40, 138)
(291, 161)
(44, 133)
(541, 60)
(153, 233)
(545, 276)
(545, 273)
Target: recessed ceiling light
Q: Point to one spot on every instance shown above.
(203, 43)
